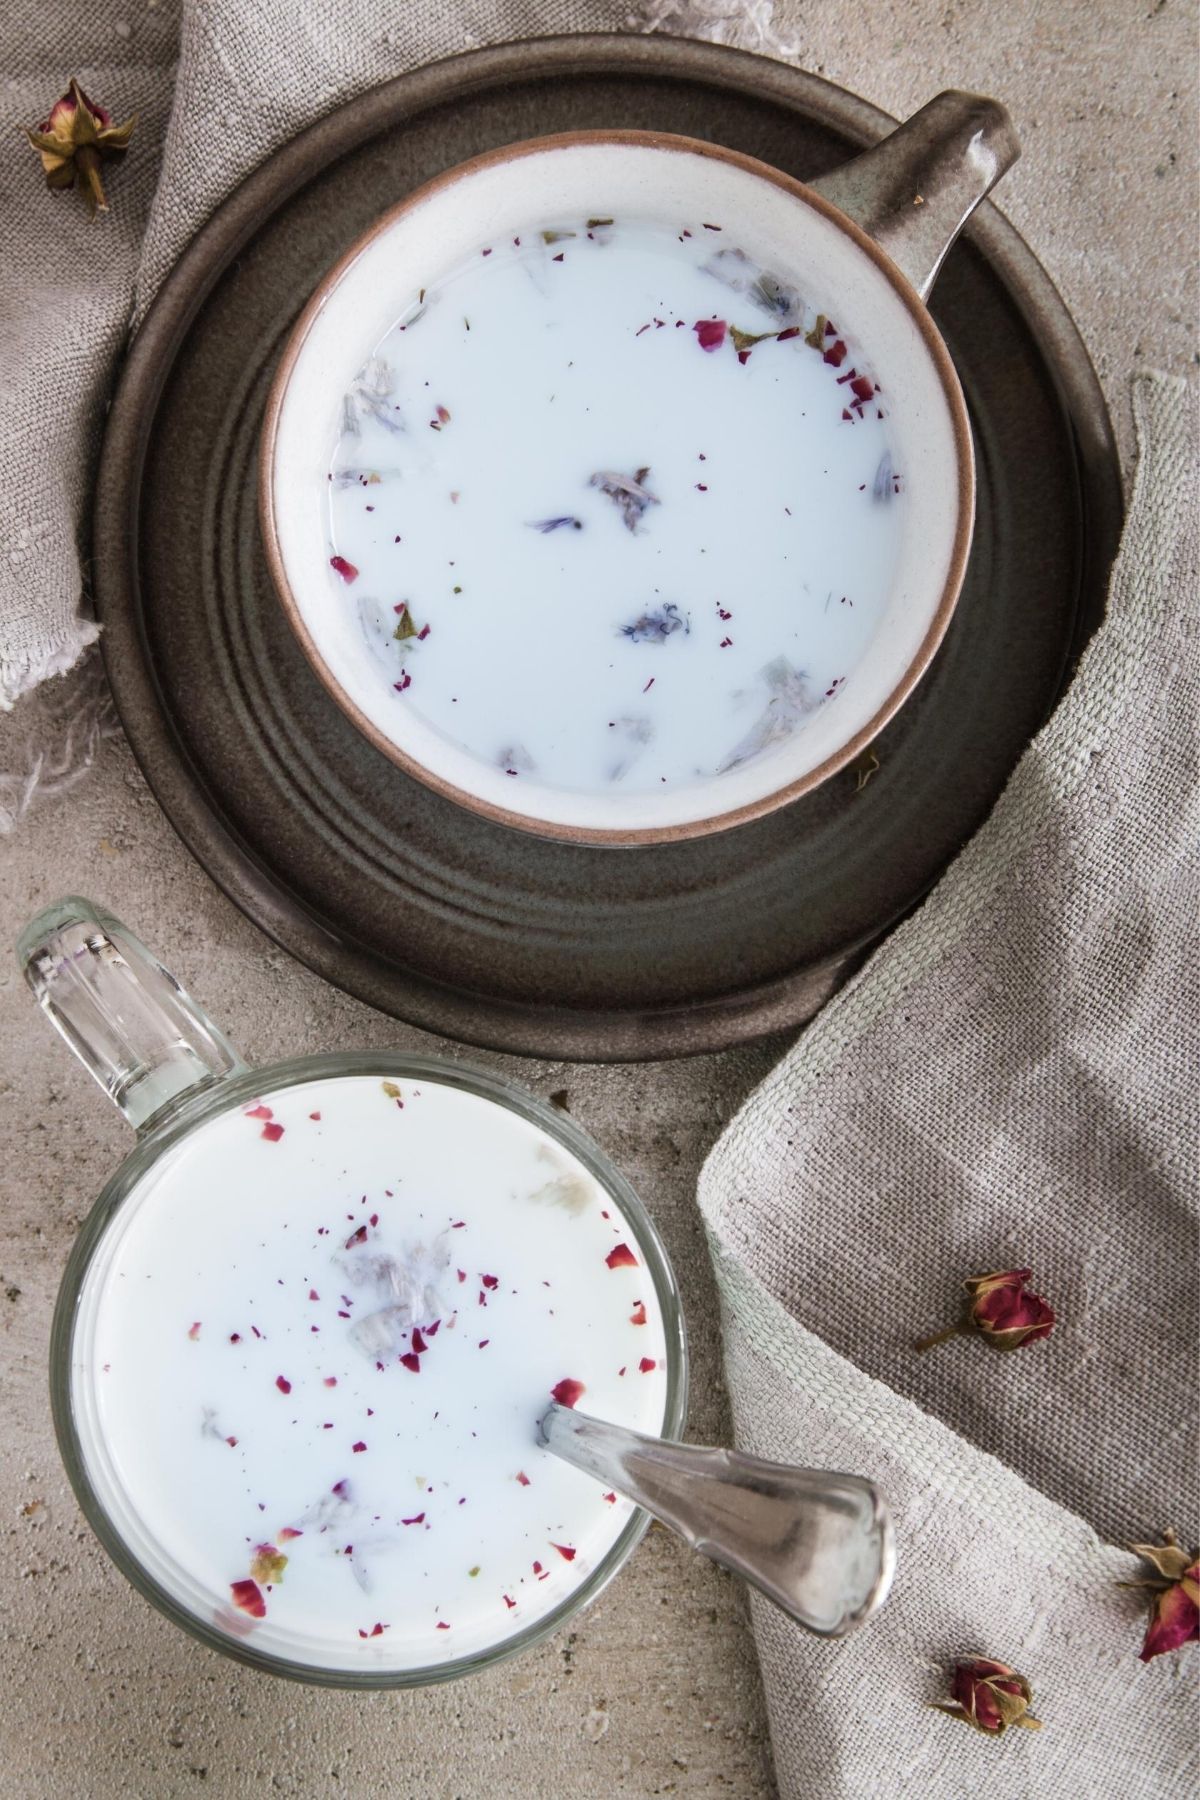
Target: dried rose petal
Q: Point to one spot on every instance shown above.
(611, 1498)
(509, 1603)
(417, 1519)
(1174, 1617)
(647, 1363)
(523, 1478)
(272, 1133)
(1175, 1586)
(710, 333)
(638, 1315)
(247, 1597)
(566, 1551)
(345, 569)
(990, 1697)
(358, 1448)
(283, 1384)
(999, 1311)
(567, 1391)
(411, 1361)
(357, 1237)
(418, 1342)
(288, 1533)
(260, 1112)
(621, 1257)
(1004, 1314)
(194, 1331)
(490, 1281)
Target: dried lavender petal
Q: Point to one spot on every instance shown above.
(788, 704)
(631, 497)
(887, 482)
(657, 626)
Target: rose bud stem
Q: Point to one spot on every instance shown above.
(87, 161)
(939, 1337)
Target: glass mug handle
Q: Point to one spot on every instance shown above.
(127, 1019)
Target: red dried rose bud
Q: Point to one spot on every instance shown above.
(1175, 1585)
(990, 1696)
(999, 1311)
(76, 138)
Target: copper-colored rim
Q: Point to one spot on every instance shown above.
(965, 493)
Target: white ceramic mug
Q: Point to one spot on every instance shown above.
(864, 244)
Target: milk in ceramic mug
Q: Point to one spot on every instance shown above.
(615, 507)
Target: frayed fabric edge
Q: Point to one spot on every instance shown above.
(742, 24)
(20, 675)
(61, 743)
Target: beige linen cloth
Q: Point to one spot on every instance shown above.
(1009, 1082)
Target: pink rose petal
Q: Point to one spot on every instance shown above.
(710, 333)
(247, 1597)
(621, 1257)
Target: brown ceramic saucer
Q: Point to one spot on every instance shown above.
(388, 889)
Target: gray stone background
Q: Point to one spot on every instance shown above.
(655, 1690)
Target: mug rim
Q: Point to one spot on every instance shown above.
(616, 837)
(228, 1093)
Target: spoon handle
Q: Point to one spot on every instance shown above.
(817, 1543)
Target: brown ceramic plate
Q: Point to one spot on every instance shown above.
(388, 889)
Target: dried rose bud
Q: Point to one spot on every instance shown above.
(999, 1311)
(1175, 1585)
(76, 138)
(990, 1696)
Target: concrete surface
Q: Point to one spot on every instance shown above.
(656, 1689)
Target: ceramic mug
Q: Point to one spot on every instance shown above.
(300, 1416)
(862, 246)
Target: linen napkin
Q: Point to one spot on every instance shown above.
(1009, 1082)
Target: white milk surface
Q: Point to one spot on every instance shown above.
(620, 543)
(242, 1336)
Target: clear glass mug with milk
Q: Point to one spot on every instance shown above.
(620, 487)
(307, 1330)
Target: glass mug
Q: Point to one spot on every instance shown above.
(307, 1329)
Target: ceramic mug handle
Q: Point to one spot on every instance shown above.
(914, 191)
(126, 1018)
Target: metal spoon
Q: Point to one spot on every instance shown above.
(817, 1543)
